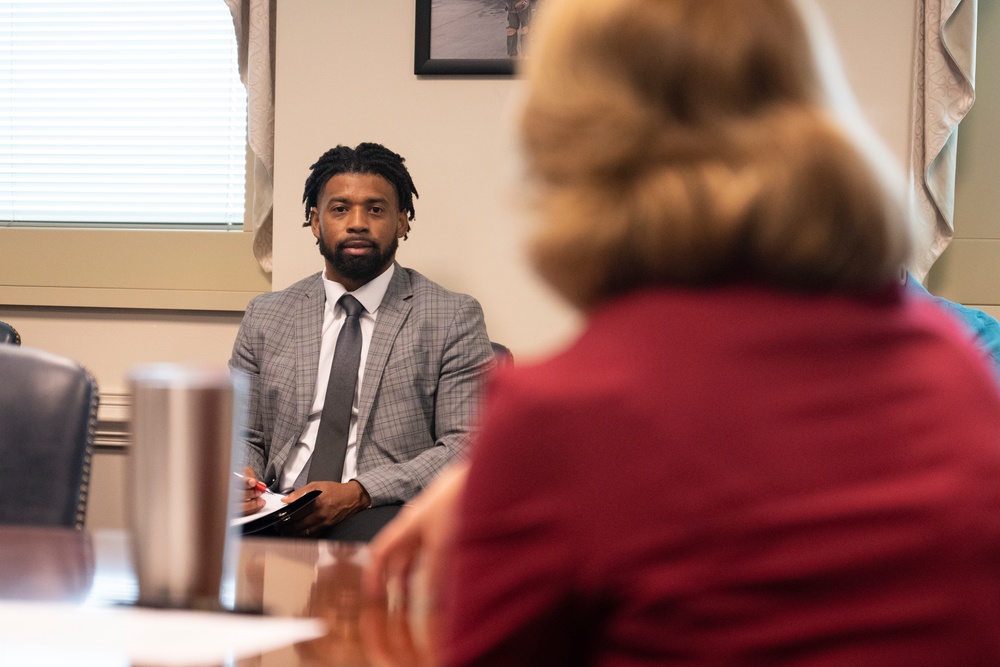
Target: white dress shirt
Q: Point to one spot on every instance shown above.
(370, 295)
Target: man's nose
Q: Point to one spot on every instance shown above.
(358, 221)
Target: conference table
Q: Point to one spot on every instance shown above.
(271, 578)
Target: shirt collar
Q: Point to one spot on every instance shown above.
(370, 294)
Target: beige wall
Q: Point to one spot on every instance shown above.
(454, 135)
(875, 40)
(344, 75)
(109, 343)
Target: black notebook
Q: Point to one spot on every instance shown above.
(267, 521)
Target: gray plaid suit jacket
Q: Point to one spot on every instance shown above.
(419, 396)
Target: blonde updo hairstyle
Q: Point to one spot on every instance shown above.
(698, 142)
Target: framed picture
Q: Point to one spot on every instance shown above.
(470, 36)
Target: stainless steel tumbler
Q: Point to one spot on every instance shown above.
(185, 426)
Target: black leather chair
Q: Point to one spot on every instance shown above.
(48, 409)
(502, 353)
(8, 334)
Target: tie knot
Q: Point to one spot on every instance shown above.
(351, 306)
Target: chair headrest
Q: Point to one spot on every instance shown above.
(8, 334)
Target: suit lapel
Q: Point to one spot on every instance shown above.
(392, 313)
(308, 334)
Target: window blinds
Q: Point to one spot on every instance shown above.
(120, 112)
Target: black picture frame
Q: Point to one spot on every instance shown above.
(424, 64)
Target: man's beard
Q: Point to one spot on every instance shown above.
(361, 268)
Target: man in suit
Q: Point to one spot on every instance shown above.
(423, 353)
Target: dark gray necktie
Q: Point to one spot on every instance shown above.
(335, 421)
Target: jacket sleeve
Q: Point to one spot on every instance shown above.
(465, 359)
(245, 360)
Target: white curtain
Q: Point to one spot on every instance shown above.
(944, 90)
(254, 23)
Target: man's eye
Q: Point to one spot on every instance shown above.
(339, 209)
(377, 209)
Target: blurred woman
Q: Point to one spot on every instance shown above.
(760, 450)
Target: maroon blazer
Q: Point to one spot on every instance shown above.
(737, 476)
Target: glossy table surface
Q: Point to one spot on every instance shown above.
(283, 577)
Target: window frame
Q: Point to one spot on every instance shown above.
(129, 268)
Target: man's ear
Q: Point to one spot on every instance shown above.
(402, 226)
(314, 221)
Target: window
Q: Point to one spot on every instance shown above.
(121, 112)
(128, 116)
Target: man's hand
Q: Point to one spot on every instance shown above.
(335, 503)
(250, 500)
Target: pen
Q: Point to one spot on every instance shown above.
(261, 486)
